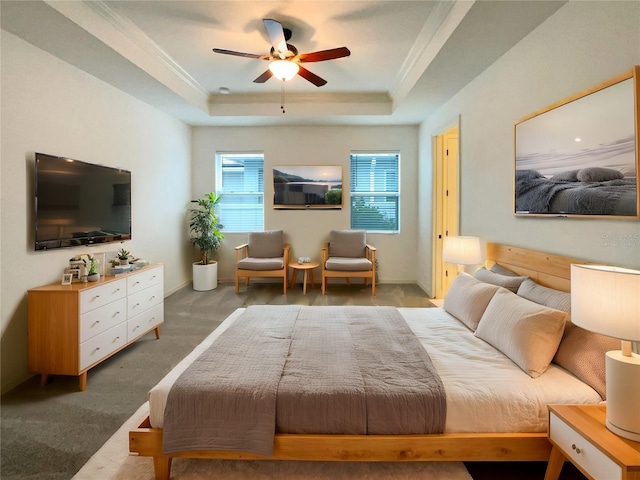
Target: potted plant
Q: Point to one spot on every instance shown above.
(92, 268)
(205, 234)
(123, 256)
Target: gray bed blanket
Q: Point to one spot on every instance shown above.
(226, 398)
(348, 370)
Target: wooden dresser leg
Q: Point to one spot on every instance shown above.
(157, 330)
(556, 461)
(162, 467)
(43, 379)
(83, 381)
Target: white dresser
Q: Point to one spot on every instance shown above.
(74, 327)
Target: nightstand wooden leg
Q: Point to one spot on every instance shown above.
(304, 281)
(313, 284)
(556, 461)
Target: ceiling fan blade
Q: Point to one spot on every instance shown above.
(311, 77)
(264, 77)
(323, 55)
(241, 54)
(276, 36)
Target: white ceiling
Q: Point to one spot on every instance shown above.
(407, 57)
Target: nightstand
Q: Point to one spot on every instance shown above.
(578, 433)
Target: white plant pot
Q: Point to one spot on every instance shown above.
(205, 277)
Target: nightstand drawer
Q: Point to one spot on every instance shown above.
(581, 452)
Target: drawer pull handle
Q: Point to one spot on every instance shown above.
(117, 313)
(136, 327)
(96, 349)
(136, 283)
(577, 449)
(152, 297)
(152, 319)
(96, 322)
(153, 277)
(136, 305)
(97, 296)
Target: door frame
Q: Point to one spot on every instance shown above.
(446, 201)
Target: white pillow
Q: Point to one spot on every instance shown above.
(467, 299)
(510, 282)
(527, 333)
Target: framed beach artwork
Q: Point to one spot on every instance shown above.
(579, 157)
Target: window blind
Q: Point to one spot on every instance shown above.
(240, 182)
(375, 192)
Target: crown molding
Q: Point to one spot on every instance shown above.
(441, 23)
(124, 37)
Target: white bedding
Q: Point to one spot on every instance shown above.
(486, 391)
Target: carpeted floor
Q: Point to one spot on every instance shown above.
(50, 433)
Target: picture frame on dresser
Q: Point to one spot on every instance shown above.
(579, 156)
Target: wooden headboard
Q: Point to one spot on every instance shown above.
(547, 269)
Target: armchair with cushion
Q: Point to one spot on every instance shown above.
(347, 254)
(264, 255)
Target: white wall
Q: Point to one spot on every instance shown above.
(307, 230)
(51, 107)
(581, 45)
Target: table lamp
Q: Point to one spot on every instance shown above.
(606, 300)
(462, 251)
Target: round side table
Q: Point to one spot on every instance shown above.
(307, 270)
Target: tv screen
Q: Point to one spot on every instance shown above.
(79, 203)
(307, 187)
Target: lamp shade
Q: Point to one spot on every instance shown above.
(284, 69)
(606, 300)
(462, 250)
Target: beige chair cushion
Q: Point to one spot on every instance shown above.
(347, 243)
(527, 333)
(344, 264)
(251, 263)
(267, 244)
(467, 299)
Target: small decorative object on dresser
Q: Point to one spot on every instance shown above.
(123, 256)
(92, 268)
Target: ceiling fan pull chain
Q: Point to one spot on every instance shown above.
(282, 97)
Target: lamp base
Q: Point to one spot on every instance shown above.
(623, 394)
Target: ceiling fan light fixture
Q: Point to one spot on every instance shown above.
(284, 69)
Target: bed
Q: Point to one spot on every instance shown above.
(576, 193)
(476, 427)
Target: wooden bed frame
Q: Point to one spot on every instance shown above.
(547, 269)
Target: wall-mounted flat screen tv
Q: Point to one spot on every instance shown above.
(307, 186)
(79, 203)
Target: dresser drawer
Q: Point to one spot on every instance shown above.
(100, 346)
(144, 300)
(96, 297)
(103, 318)
(582, 452)
(145, 279)
(145, 321)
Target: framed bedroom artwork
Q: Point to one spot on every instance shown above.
(307, 187)
(579, 157)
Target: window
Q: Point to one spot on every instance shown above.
(240, 182)
(375, 192)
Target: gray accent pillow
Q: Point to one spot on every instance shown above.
(347, 243)
(499, 269)
(570, 176)
(599, 174)
(267, 244)
(527, 333)
(546, 296)
(507, 281)
(467, 299)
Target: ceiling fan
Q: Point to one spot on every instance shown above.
(285, 56)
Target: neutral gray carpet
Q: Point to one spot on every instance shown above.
(49, 433)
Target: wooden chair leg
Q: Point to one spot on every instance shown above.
(237, 284)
